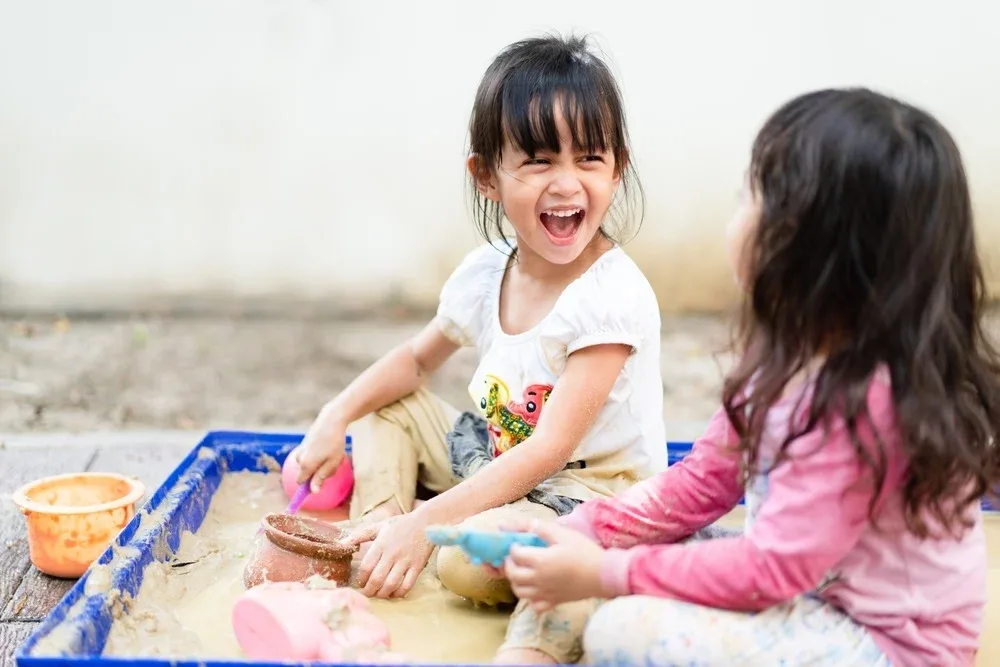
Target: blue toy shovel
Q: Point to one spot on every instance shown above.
(482, 546)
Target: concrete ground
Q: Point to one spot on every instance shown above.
(123, 374)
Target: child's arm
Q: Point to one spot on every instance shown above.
(399, 373)
(689, 495)
(815, 511)
(570, 411)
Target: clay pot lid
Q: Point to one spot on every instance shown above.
(307, 536)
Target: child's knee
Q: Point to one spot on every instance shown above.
(639, 629)
(622, 630)
(608, 623)
(470, 581)
(474, 582)
(396, 414)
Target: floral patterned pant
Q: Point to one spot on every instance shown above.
(805, 632)
(640, 630)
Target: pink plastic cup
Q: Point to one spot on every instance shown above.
(279, 622)
(290, 622)
(334, 491)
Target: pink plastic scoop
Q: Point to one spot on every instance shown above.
(299, 498)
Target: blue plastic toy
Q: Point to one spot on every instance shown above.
(481, 546)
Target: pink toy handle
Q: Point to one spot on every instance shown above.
(299, 498)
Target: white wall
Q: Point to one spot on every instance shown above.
(315, 149)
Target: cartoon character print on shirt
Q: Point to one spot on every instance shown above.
(511, 422)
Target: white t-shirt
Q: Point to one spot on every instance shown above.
(612, 302)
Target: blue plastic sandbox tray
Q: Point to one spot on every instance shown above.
(80, 623)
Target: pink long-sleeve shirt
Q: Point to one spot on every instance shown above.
(807, 530)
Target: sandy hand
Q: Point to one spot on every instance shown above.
(398, 553)
(322, 451)
(568, 569)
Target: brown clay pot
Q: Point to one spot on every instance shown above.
(292, 548)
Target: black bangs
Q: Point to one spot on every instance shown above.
(532, 99)
(533, 80)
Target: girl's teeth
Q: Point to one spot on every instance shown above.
(564, 214)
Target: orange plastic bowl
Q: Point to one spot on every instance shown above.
(73, 518)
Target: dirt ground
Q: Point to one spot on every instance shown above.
(58, 375)
(229, 372)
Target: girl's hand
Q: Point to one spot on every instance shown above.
(568, 569)
(398, 554)
(323, 449)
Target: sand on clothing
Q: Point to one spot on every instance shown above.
(183, 611)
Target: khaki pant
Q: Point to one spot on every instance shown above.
(407, 445)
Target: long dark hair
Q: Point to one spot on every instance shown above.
(865, 257)
(516, 102)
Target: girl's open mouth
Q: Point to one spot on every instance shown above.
(562, 224)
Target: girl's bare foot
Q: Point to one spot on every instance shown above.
(522, 656)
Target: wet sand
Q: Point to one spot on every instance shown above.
(183, 611)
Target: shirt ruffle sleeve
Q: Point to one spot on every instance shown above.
(611, 304)
(468, 294)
